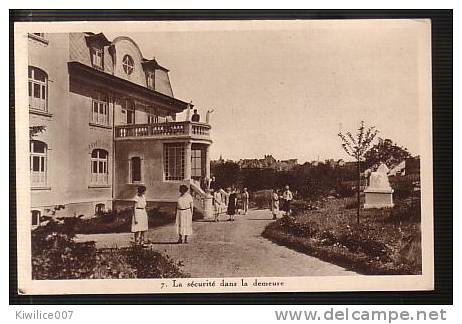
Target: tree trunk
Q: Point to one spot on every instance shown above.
(358, 191)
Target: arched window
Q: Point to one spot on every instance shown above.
(38, 164)
(100, 208)
(127, 64)
(38, 89)
(99, 167)
(35, 217)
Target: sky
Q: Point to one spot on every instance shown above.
(288, 92)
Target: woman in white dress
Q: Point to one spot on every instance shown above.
(184, 211)
(140, 217)
(275, 203)
(217, 204)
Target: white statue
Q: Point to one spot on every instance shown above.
(188, 111)
(379, 193)
(207, 116)
(379, 178)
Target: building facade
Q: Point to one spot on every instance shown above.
(109, 119)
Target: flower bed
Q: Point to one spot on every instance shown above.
(387, 241)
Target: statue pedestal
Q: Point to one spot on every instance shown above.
(208, 207)
(378, 198)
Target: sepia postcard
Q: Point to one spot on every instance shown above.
(223, 156)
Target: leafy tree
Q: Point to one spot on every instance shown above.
(356, 147)
(226, 174)
(387, 152)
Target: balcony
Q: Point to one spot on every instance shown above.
(170, 130)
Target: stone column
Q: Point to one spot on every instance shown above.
(207, 162)
(187, 162)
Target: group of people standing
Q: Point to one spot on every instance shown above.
(183, 222)
(228, 201)
(285, 199)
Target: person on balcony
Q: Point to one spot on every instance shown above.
(232, 204)
(195, 117)
(184, 211)
(140, 217)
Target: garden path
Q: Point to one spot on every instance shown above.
(228, 249)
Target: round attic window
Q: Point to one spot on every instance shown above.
(127, 64)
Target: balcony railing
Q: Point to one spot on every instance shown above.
(164, 130)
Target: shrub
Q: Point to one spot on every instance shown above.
(328, 237)
(411, 251)
(262, 199)
(152, 264)
(115, 221)
(352, 204)
(55, 255)
(405, 211)
(112, 264)
(361, 239)
(403, 188)
(299, 206)
(108, 222)
(344, 190)
(289, 224)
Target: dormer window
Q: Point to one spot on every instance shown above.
(150, 80)
(97, 56)
(127, 64)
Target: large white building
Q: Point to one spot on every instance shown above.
(110, 125)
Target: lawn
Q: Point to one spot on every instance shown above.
(387, 241)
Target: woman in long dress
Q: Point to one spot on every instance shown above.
(232, 204)
(184, 211)
(275, 203)
(140, 217)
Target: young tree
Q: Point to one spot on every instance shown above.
(356, 147)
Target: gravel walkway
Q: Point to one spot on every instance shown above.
(228, 249)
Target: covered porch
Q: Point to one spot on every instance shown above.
(161, 157)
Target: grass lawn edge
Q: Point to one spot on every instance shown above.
(348, 260)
